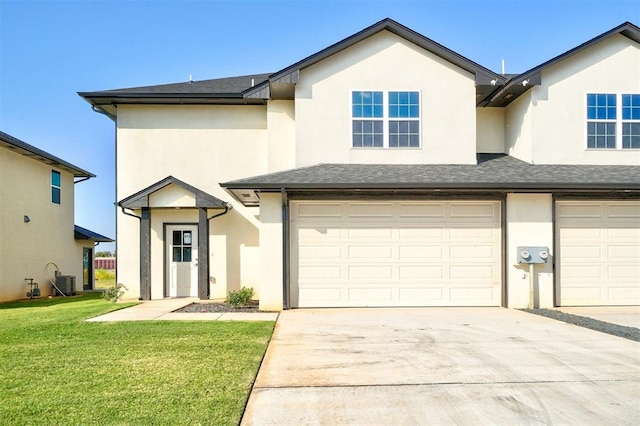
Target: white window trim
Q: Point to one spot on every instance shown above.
(619, 120)
(385, 120)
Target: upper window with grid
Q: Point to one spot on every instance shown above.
(386, 119)
(612, 118)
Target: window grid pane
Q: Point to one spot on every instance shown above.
(404, 134)
(631, 107)
(601, 106)
(404, 105)
(367, 104)
(631, 135)
(601, 135)
(367, 133)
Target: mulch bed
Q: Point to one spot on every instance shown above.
(218, 307)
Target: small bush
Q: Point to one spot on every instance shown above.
(241, 297)
(113, 294)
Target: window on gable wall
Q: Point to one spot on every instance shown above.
(613, 121)
(56, 187)
(385, 119)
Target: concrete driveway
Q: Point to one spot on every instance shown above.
(442, 366)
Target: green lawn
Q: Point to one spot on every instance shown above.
(57, 369)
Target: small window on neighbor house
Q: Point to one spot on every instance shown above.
(55, 187)
(630, 121)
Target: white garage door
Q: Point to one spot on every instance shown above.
(398, 253)
(599, 258)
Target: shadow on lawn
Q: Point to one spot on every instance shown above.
(43, 302)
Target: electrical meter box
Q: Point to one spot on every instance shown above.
(533, 254)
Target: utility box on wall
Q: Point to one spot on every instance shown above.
(533, 254)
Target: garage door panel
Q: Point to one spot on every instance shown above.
(624, 272)
(583, 210)
(370, 272)
(425, 253)
(320, 273)
(466, 252)
(581, 252)
(371, 296)
(376, 210)
(369, 233)
(599, 252)
(317, 252)
(623, 252)
(399, 254)
(318, 233)
(472, 294)
(427, 211)
(474, 210)
(623, 210)
(318, 211)
(371, 252)
(421, 233)
(469, 233)
(624, 234)
(422, 272)
(421, 296)
(470, 272)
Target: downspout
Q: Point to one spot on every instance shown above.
(285, 249)
(227, 207)
(129, 214)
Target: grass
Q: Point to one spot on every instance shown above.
(59, 369)
(105, 278)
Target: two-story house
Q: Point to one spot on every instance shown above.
(387, 170)
(38, 238)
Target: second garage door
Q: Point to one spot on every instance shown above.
(599, 252)
(397, 253)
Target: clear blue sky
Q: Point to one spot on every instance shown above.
(49, 50)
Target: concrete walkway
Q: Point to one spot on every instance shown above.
(163, 310)
(464, 366)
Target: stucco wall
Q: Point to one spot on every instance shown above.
(385, 62)
(529, 223)
(271, 252)
(519, 129)
(202, 146)
(281, 138)
(25, 189)
(490, 130)
(556, 115)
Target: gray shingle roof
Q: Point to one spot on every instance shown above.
(31, 151)
(215, 87)
(493, 171)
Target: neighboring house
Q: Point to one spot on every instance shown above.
(386, 170)
(37, 234)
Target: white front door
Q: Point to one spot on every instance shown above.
(182, 260)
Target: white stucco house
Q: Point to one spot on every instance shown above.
(37, 233)
(387, 170)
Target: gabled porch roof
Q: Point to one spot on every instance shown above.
(202, 199)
